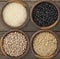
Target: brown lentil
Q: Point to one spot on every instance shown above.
(15, 44)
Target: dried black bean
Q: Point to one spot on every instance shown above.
(44, 14)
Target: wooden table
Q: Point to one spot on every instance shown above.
(29, 29)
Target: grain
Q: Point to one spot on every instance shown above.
(15, 44)
(14, 14)
(45, 44)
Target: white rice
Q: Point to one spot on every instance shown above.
(14, 14)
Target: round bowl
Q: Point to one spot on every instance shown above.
(19, 2)
(50, 26)
(45, 57)
(2, 41)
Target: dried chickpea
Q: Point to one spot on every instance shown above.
(15, 44)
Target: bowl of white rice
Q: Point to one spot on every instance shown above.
(15, 14)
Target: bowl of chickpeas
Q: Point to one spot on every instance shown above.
(15, 44)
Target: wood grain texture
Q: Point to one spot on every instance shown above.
(29, 29)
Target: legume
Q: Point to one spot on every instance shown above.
(44, 14)
(45, 44)
(15, 44)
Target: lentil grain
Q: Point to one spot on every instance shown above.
(44, 44)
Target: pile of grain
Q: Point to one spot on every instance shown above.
(45, 44)
(14, 14)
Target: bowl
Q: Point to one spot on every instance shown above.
(2, 42)
(45, 57)
(49, 26)
(23, 4)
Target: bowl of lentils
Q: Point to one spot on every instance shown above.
(45, 44)
(15, 44)
(45, 14)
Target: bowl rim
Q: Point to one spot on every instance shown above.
(24, 4)
(47, 57)
(11, 31)
(48, 27)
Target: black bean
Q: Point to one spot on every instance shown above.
(44, 14)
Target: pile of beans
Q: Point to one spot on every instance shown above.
(44, 14)
(15, 44)
(45, 44)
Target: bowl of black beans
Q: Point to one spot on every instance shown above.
(45, 14)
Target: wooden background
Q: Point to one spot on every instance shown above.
(29, 29)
